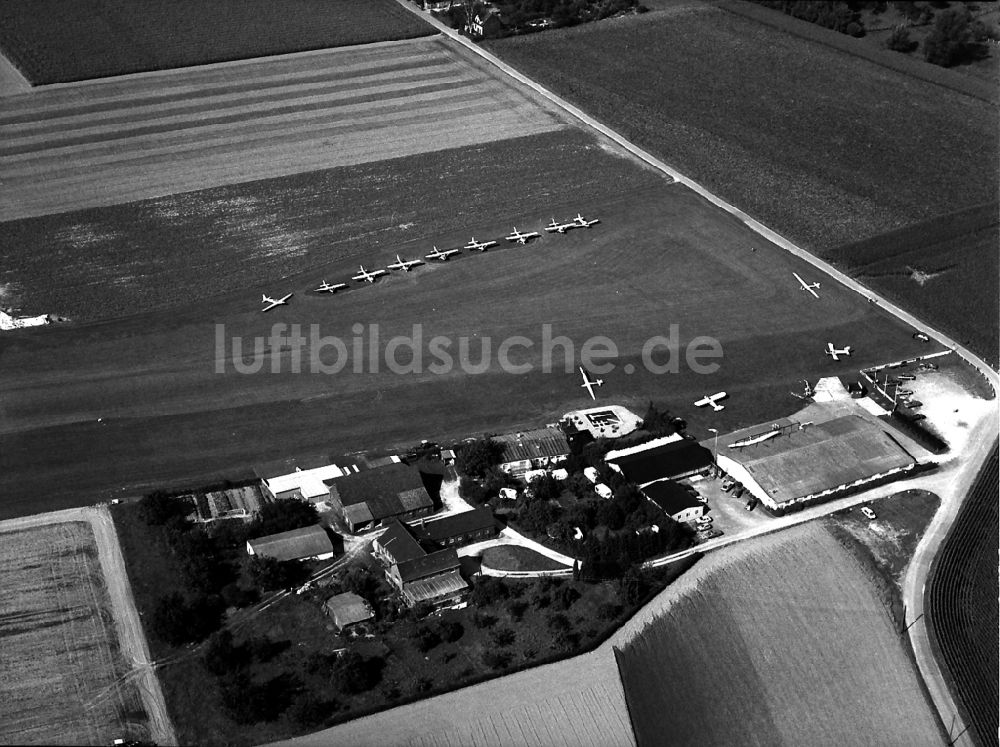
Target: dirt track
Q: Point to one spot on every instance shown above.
(131, 638)
(120, 140)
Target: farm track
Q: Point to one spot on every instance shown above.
(961, 604)
(123, 140)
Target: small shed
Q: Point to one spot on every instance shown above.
(348, 609)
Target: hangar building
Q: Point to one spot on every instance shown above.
(787, 464)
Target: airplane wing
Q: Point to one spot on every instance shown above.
(702, 402)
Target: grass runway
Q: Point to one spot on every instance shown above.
(660, 256)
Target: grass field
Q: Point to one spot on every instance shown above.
(516, 558)
(61, 661)
(166, 415)
(841, 151)
(56, 42)
(962, 605)
(782, 642)
(115, 141)
(944, 269)
(125, 259)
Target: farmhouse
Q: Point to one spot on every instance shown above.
(485, 23)
(671, 457)
(674, 500)
(804, 463)
(347, 609)
(533, 449)
(365, 499)
(308, 543)
(434, 579)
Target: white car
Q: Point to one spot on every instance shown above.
(868, 513)
(704, 519)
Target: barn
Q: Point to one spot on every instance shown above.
(308, 543)
(668, 458)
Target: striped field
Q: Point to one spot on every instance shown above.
(107, 142)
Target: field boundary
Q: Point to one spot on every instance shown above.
(128, 626)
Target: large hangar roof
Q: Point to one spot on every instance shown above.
(820, 457)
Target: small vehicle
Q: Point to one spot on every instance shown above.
(918, 416)
(869, 514)
(913, 404)
(904, 392)
(710, 535)
(751, 504)
(704, 520)
(928, 367)
(727, 486)
(906, 377)
(921, 336)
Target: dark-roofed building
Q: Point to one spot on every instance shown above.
(435, 578)
(308, 543)
(670, 458)
(458, 529)
(396, 544)
(532, 449)
(367, 498)
(675, 500)
(348, 609)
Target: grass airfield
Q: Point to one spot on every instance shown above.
(660, 256)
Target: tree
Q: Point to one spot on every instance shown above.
(632, 586)
(222, 655)
(502, 637)
(899, 40)
(951, 41)
(426, 638)
(565, 597)
(451, 630)
(475, 458)
(271, 574)
(282, 516)
(488, 590)
(353, 674)
(311, 711)
(178, 620)
(156, 509)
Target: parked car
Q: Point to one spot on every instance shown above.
(921, 336)
(913, 404)
(869, 514)
(751, 504)
(704, 520)
(705, 536)
(727, 486)
(918, 416)
(906, 377)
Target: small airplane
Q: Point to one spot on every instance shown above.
(366, 276)
(712, 399)
(443, 256)
(560, 227)
(807, 391)
(582, 222)
(272, 302)
(480, 245)
(807, 286)
(522, 238)
(835, 353)
(325, 287)
(589, 385)
(754, 440)
(405, 264)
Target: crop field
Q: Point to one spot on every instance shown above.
(842, 151)
(61, 660)
(782, 641)
(962, 605)
(115, 141)
(945, 268)
(121, 405)
(55, 42)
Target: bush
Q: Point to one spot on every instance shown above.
(156, 509)
(899, 40)
(497, 659)
(502, 637)
(451, 631)
(282, 516)
(517, 608)
(222, 656)
(488, 590)
(178, 620)
(609, 611)
(353, 674)
(311, 711)
(426, 638)
(482, 620)
(270, 574)
(565, 597)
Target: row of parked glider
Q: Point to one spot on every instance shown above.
(405, 265)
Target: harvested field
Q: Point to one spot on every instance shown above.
(962, 607)
(122, 405)
(55, 42)
(61, 659)
(779, 640)
(840, 151)
(108, 142)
